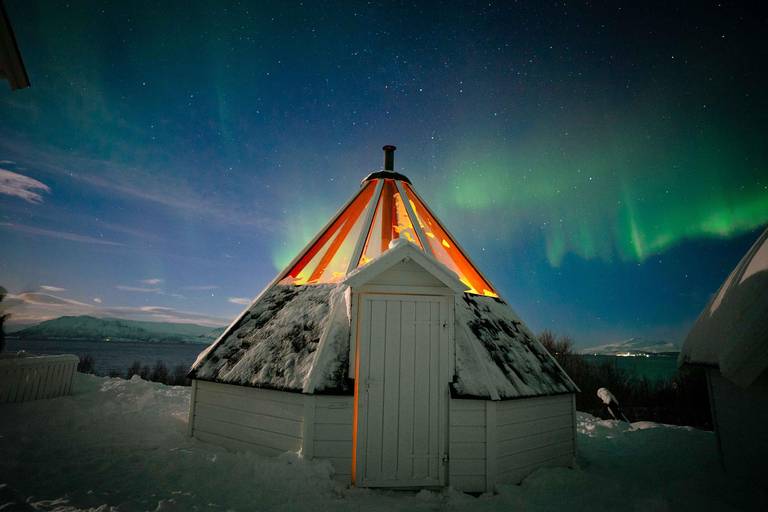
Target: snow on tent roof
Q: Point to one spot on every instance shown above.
(496, 354)
(275, 345)
(732, 331)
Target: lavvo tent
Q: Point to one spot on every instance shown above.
(383, 349)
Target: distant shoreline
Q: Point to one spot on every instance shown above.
(639, 354)
(165, 341)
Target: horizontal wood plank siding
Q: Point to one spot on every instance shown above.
(532, 433)
(324, 415)
(518, 411)
(507, 432)
(333, 449)
(519, 474)
(333, 434)
(256, 403)
(251, 419)
(464, 434)
(468, 467)
(467, 451)
(468, 483)
(535, 456)
(466, 447)
(540, 440)
(239, 418)
(248, 434)
(251, 393)
(236, 445)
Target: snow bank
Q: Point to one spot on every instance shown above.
(122, 445)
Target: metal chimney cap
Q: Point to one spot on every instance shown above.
(388, 172)
(389, 158)
(386, 175)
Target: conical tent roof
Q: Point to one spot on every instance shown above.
(295, 335)
(385, 208)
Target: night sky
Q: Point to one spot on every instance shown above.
(603, 163)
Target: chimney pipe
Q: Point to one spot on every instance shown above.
(389, 158)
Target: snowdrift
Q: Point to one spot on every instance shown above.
(122, 445)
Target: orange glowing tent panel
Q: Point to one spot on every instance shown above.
(384, 209)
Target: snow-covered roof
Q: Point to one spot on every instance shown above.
(732, 331)
(273, 345)
(497, 356)
(276, 343)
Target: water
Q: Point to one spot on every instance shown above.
(108, 356)
(651, 367)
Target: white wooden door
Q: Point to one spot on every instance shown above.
(400, 436)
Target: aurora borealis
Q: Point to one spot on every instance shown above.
(603, 164)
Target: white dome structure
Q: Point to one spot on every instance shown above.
(730, 341)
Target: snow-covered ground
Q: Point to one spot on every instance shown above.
(122, 445)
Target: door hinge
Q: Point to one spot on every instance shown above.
(445, 459)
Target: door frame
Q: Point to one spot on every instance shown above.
(446, 367)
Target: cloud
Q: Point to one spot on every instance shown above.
(208, 287)
(141, 289)
(180, 192)
(144, 289)
(57, 234)
(35, 307)
(240, 300)
(52, 288)
(21, 186)
(98, 300)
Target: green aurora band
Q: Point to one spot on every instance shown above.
(628, 193)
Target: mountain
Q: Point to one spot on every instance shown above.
(634, 346)
(114, 329)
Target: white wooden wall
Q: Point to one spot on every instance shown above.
(740, 418)
(408, 273)
(36, 377)
(334, 417)
(503, 441)
(467, 445)
(489, 442)
(241, 418)
(532, 433)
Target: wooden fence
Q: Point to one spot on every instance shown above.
(25, 378)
